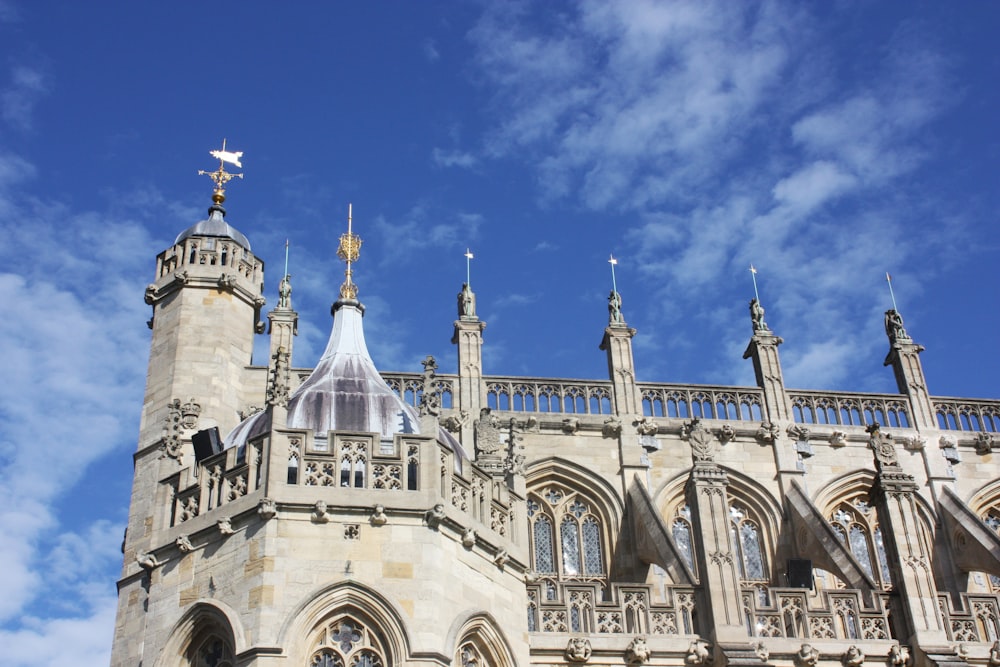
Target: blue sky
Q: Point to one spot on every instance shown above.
(826, 143)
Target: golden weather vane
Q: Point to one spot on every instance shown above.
(220, 175)
(349, 251)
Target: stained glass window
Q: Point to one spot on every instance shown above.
(745, 536)
(855, 521)
(346, 642)
(578, 552)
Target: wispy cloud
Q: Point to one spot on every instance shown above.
(19, 96)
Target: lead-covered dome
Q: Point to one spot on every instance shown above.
(215, 225)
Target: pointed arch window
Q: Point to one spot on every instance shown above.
(744, 533)
(855, 521)
(992, 519)
(345, 642)
(567, 535)
(682, 532)
(213, 651)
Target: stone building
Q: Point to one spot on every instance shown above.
(364, 519)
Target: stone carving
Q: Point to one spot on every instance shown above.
(468, 538)
(487, 434)
(147, 561)
(435, 516)
(995, 654)
(914, 442)
(352, 531)
(285, 292)
(180, 417)
(571, 425)
(454, 423)
(225, 526)
(249, 411)
(378, 517)
(647, 426)
(768, 433)
(638, 652)
(881, 444)
(150, 295)
(184, 544)
(615, 309)
(515, 450)
(962, 651)
(949, 448)
(319, 514)
(800, 434)
(227, 281)
(727, 434)
(757, 316)
(612, 427)
(181, 277)
(700, 439)
(501, 558)
(984, 443)
(278, 388)
(899, 656)
(267, 508)
(760, 650)
(853, 657)
(698, 654)
(578, 649)
(466, 303)
(807, 656)
(430, 398)
(894, 327)
(838, 439)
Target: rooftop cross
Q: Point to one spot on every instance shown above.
(220, 175)
(468, 267)
(349, 251)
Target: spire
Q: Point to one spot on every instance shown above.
(349, 250)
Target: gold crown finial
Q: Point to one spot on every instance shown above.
(349, 250)
(220, 175)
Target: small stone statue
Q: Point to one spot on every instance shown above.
(638, 652)
(615, 308)
(466, 303)
(578, 649)
(435, 516)
(899, 656)
(319, 514)
(184, 545)
(894, 326)
(378, 517)
(757, 316)
(225, 526)
(469, 538)
(807, 656)
(697, 654)
(995, 654)
(853, 657)
(285, 292)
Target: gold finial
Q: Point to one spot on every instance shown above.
(221, 176)
(349, 250)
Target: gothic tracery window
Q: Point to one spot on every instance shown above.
(213, 651)
(566, 535)
(992, 519)
(855, 521)
(345, 642)
(682, 532)
(746, 540)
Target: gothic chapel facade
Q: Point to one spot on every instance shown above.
(367, 519)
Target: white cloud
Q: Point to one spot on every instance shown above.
(443, 158)
(18, 99)
(812, 185)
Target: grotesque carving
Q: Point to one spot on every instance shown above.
(768, 433)
(612, 427)
(226, 281)
(984, 443)
(225, 526)
(806, 657)
(267, 508)
(184, 544)
(638, 652)
(279, 385)
(578, 649)
(899, 656)
(468, 538)
(515, 450)
(995, 654)
(571, 425)
(913, 442)
(180, 418)
(760, 650)
(838, 439)
(949, 448)
(501, 558)
(378, 517)
(435, 516)
(698, 654)
(726, 434)
(147, 561)
(319, 514)
(853, 657)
